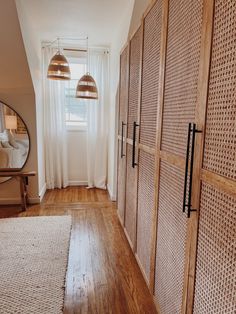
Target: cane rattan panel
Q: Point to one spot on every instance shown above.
(182, 69)
(134, 81)
(215, 287)
(171, 240)
(220, 140)
(124, 86)
(131, 197)
(146, 191)
(121, 184)
(150, 79)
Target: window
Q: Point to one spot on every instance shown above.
(76, 109)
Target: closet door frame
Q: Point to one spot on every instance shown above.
(129, 141)
(171, 159)
(163, 49)
(152, 150)
(200, 120)
(199, 174)
(119, 137)
(140, 147)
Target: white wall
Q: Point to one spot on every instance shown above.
(77, 157)
(120, 38)
(34, 56)
(16, 89)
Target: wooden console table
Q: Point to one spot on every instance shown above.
(23, 178)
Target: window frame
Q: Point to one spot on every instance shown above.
(73, 59)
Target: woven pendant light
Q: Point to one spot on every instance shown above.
(58, 68)
(86, 87)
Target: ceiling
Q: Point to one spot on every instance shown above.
(98, 19)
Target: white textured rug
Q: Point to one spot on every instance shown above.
(33, 263)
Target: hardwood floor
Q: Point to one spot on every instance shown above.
(103, 276)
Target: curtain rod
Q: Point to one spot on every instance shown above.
(72, 49)
(106, 49)
(63, 38)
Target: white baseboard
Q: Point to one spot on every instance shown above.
(42, 192)
(35, 200)
(17, 201)
(78, 183)
(31, 200)
(112, 196)
(38, 200)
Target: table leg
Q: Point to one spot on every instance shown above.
(23, 192)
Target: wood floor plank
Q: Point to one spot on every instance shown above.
(103, 275)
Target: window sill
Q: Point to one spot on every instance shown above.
(76, 128)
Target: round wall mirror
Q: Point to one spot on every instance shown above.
(14, 140)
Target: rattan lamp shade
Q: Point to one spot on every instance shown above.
(87, 88)
(58, 68)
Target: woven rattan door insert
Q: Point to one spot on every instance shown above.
(148, 127)
(215, 285)
(122, 131)
(133, 135)
(182, 70)
(180, 98)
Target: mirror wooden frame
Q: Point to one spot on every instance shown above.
(28, 133)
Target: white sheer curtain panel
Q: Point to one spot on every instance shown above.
(54, 127)
(97, 135)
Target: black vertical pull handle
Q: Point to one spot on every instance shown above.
(186, 167)
(190, 209)
(122, 139)
(191, 170)
(134, 144)
(191, 128)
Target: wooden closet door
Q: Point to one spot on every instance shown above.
(148, 127)
(132, 140)
(215, 284)
(180, 99)
(122, 131)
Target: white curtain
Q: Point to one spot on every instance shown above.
(97, 135)
(54, 127)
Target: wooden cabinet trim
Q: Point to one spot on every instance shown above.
(163, 49)
(222, 183)
(173, 159)
(200, 118)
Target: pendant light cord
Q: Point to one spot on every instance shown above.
(58, 45)
(87, 56)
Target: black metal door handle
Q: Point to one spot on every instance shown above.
(134, 145)
(122, 140)
(191, 128)
(186, 167)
